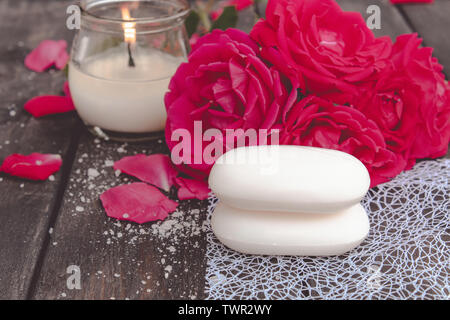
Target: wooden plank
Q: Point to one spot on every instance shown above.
(432, 22)
(246, 19)
(121, 260)
(27, 208)
(392, 22)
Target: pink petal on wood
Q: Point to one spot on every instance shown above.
(156, 169)
(36, 166)
(192, 189)
(138, 202)
(47, 54)
(46, 105)
(62, 60)
(66, 90)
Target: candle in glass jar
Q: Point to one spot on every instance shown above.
(110, 94)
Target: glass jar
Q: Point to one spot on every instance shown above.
(123, 57)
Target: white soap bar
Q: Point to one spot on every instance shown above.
(287, 233)
(289, 179)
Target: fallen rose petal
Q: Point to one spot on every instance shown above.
(47, 54)
(156, 169)
(192, 189)
(45, 105)
(66, 90)
(35, 166)
(138, 202)
(62, 60)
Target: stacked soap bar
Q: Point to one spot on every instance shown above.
(289, 200)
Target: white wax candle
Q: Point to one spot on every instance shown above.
(110, 94)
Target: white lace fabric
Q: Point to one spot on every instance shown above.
(405, 256)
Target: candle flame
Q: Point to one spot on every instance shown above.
(129, 30)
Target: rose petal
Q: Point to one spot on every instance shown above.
(45, 105)
(46, 54)
(62, 60)
(35, 166)
(66, 90)
(192, 189)
(156, 169)
(138, 202)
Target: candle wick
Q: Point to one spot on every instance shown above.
(130, 57)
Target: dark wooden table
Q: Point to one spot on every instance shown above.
(46, 227)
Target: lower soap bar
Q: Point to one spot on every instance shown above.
(287, 233)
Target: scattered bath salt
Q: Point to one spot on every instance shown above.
(7, 142)
(55, 243)
(126, 215)
(1, 179)
(63, 295)
(93, 173)
(51, 178)
(50, 231)
(109, 163)
(12, 113)
(79, 209)
(174, 234)
(171, 249)
(21, 185)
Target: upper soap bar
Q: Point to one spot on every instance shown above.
(289, 179)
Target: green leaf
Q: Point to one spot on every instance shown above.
(66, 70)
(228, 19)
(191, 23)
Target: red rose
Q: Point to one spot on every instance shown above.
(319, 123)
(410, 102)
(225, 85)
(329, 50)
